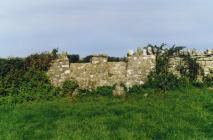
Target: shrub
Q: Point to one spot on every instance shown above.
(163, 81)
(39, 61)
(10, 65)
(2, 90)
(33, 84)
(25, 79)
(191, 69)
(74, 58)
(69, 87)
(55, 53)
(136, 89)
(160, 77)
(208, 80)
(25, 85)
(117, 59)
(87, 59)
(104, 90)
(34, 80)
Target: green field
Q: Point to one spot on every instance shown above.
(180, 114)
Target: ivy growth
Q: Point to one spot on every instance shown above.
(162, 78)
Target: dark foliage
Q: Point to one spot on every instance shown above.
(117, 59)
(74, 58)
(39, 61)
(24, 79)
(11, 65)
(208, 80)
(69, 87)
(163, 55)
(164, 82)
(104, 90)
(191, 69)
(55, 53)
(26, 86)
(87, 59)
(160, 77)
(136, 89)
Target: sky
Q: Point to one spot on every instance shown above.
(102, 26)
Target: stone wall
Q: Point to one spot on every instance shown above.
(100, 72)
(204, 59)
(92, 75)
(206, 62)
(138, 68)
(59, 70)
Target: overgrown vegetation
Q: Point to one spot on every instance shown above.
(104, 90)
(208, 80)
(164, 79)
(136, 89)
(24, 79)
(69, 87)
(161, 77)
(74, 58)
(191, 69)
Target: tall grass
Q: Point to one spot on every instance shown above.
(179, 114)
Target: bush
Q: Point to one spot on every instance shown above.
(162, 78)
(74, 58)
(31, 85)
(2, 90)
(39, 61)
(117, 59)
(208, 80)
(69, 87)
(104, 90)
(163, 81)
(191, 69)
(36, 81)
(87, 59)
(25, 79)
(136, 89)
(11, 65)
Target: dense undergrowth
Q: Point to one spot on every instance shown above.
(163, 78)
(25, 79)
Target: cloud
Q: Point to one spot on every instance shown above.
(109, 26)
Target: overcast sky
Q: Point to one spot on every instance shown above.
(108, 26)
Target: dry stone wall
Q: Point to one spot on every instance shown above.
(138, 68)
(204, 59)
(92, 75)
(59, 70)
(206, 62)
(100, 72)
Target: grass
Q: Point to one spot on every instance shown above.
(180, 114)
